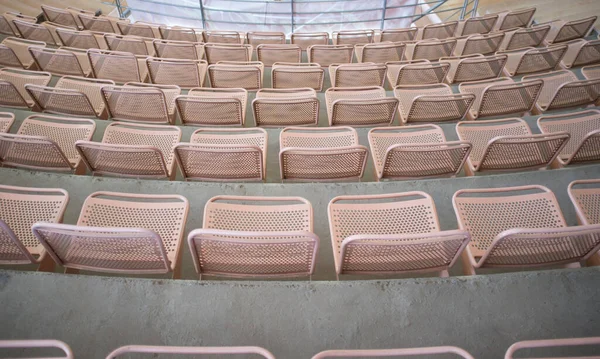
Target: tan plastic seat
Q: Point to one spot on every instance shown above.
(120, 233)
(216, 53)
(321, 154)
(297, 75)
(6, 121)
(354, 75)
(20, 47)
(353, 37)
(77, 96)
(501, 96)
(223, 37)
(584, 129)
(486, 44)
(224, 154)
(585, 195)
(105, 24)
(431, 50)
(519, 38)
(82, 58)
(245, 236)
(476, 25)
(121, 67)
(582, 52)
(35, 32)
(520, 227)
(326, 55)
(46, 143)
(515, 18)
(551, 343)
(140, 102)
(419, 151)
(139, 29)
(59, 16)
(132, 44)
(58, 61)
(431, 103)
(20, 208)
(360, 106)
(307, 39)
(179, 49)
(416, 72)
(562, 30)
(391, 233)
(591, 72)
(286, 107)
(12, 86)
(76, 12)
(256, 38)
(508, 145)
(7, 27)
(8, 58)
(380, 52)
(232, 74)
(132, 150)
(269, 54)
(213, 107)
(183, 73)
(474, 67)
(398, 35)
(562, 90)
(80, 39)
(189, 350)
(529, 60)
(178, 33)
(408, 352)
(439, 31)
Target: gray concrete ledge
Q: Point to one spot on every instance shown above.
(295, 320)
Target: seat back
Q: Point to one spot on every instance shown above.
(530, 345)
(12, 15)
(540, 60)
(485, 44)
(189, 350)
(223, 52)
(552, 82)
(353, 37)
(132, 150)
(247, 75)
(61, 101)
(575, 93)
(585, 195)
(29, 344)
(326, 55)
(57, 61)
(359, 106)
(575, 29)
(183, 73)
(136, 104)
(431, 103)
(417, 73)
(118, 66)
(397, 35)
(286, 107)
(59, 16)
(5, 27)
(393, 352)
(432, 50)
(297, 75)
(527, 37)
(478, 25)
(222, 37)
(321, 154)
(256, 38)
(100, 23)
(213, 107)
(477, 68)
(307, 39)
(78, 39)
(179, 49)
(215, 154)
(380, 53)
(20, 47)
(6, 121)
(419, 151)
(587, 54)
(12, 86)
(20, 208)
(510, 98)
(132, 44)
(33, 31)
(269, 54)
(439, 31)
(517, 18)
(177, 33)
(353, 75)
(137, 29)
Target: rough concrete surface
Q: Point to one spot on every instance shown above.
(294, 320)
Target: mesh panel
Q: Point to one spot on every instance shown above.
(170, 91)
(434, 103)
(304, 40)
(326, 55)
(37, 153)
(433, 50)
(518, 18)
(531, 37)
(20, 48)
(59, 16)
(360, 106)
(178, 34)
(136, 46)
(136, 104)
(588, 54)
(257, 38)
(479, 25)
(6, 120)
(578, 125)
(397, 35)
(537, 60)
(552, 81)
(576, 93)
(59, 101)
(353, 37)
(35, 32)
(183, 73)
(18, 79)
(5, 27)
(89, 87)
(119, 67)
(140, 30)
(217, 53)
(353, 75)
(224, 37)
(248, 77)
(99, 24)
(417, 74)
(380, 53)
(178, 50)
(587, 201)
(77, 39)
(8, 57)
(11, 16)
(439, 31)
(305, 75)
(213, 107)
(11, 96)
(479, 69)
(59, 62)
(269, 54)
(575, 29)
(483, 44)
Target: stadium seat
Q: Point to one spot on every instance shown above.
(355, 75)
(562, 90)
(140, 102)
(64, 17)
(132, 44)
(268, 54)
(101, 24)
(420, 72)
(81, 39)
(7, 27)
(286, 107)
(172, 49)
(34, 344)
(430, 49)
(483, 44)
(474, 67)
(256, 38)
(519, 38)
(179, 33)
(297, 75)
(8, 58)
(139, 29)
(36, 32)
(154, 350)
(183, 73)
(6, 121)
(223, 37)
(326, 55)
(408, 352)
(529, 60)
(419, 151)
(562, 30)
(439, 31)
(380, 52)
(224, 154)
(476, 25)
(20, 47)
(321, 154)
(360, 106)
(234, 74)
(121, 67)
(307, 39)
(227, 52)
(585, 195)
(206, 106)
(59, 62)
(514, 18)
(12, 86)
(528, 346)
(399, 35)
(581, 52)
(591, 72)
(353, 37)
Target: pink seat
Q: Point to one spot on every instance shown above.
(297, 75)
(563, 90)
(405, 352)
(396, 35)
(483, 44)
(269, 54)
(520, 227)
(515, 18)
(20, 48)
(529, 345)
(138, 102)
(181, 72)
(233, 74)
(582, 52)
(286, 107)
(439, 31)
(6, 120)
(223, 37)
(391, 233)
(227, 52)
(179, 49)
(420, 72)
(139, 29)
(321, 154)
(60, 16)
(120, 233)
(380, 52)
(562, 30)
(356, 75)
(12, 86)
(46, 143)
(508, 145)
(519, 38)
(8, 58)
(21, 208)
(530, 60)
(326, 55)
(30, 344)
(36, 32)
(245, 236)
(416, 152)
(585, 195)
(121, 67)
(132, 44)
(430, 49)
(591, 72)
(101, 23)
(256, 38)
(80, 39)
(7, 27)
(584, 130)
(132, 150)
(307, 39)
(153, 350)
(219, 154)
(476, 25)
(178, 33)
(360, 106)
(474, 67)
(58, 62)
(204, 106)
(353, 37)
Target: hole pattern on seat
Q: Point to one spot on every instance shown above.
(120, 68)
(135, 104)
(99, 24)
(59, 62)
(481, 25)
(432, 51)
(380, 53)
(479, 69)
(268, 55)
(19, 79)
(517, 19)
(286, 112)
(552, 82)
(417, 74)
(35, 32)
(298, 77)
(175, 50)
(77, 39)
(258, 218)
(132, 45)
(480, 135)
(588, 200)
(329, 139)
(177, 34)
(231, 76)
(484, 45)
(578, 127)
(55, 100)
(215, 54)
(440, 31)
(326, 55)
(576, 93)
(353, 75)
(304, 40)
(398, 35)
(90, 88)
(183, 73)
(8, 57)
(574, 29)
(136, 30)
(331, 164)
(530, 37)
(21, 49)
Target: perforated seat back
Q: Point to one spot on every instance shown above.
(183, 73)
(256, 38)
(268, 54)
(246, 75)
(13, 89)
(36, 32)
(213, 107)
(120, 67)
(305, 40)
(527, 37)
(359, 106)
(177, 33)
(21, 48)
(353, 37)
(396, 35)
(585, 195)
(286, 107)
(179, 49)
(439, 31)
(326, 55)
(380, 53)
(290, 75)
(223, 52)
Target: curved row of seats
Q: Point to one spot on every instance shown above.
(549, 344)
(247, 236)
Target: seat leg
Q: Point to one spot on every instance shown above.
(47, 264)
(467, 267)
(71, 271)
(572, 265)
(593, 261)
(444, 273)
